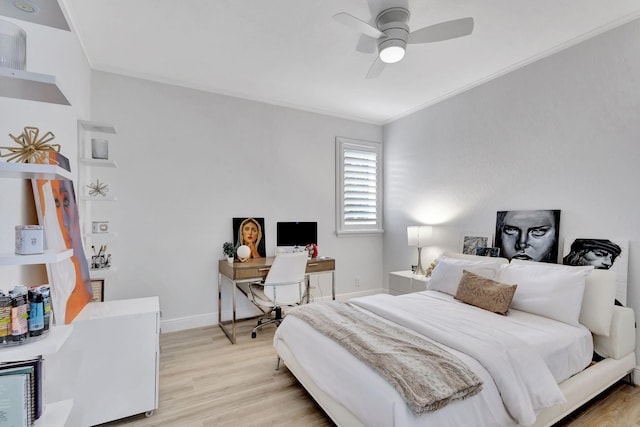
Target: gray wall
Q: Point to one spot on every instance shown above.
(190, 161)
(561, 133)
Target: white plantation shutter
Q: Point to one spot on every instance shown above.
(359, 187)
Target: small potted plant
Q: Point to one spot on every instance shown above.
(229, 251)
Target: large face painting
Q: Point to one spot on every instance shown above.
(250, 232)
(69, 279)
(603, 254)
(530, 235)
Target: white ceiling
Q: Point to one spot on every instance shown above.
(292, 53)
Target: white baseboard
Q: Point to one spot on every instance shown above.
(209, 319)
(190, 322)
(636, 375)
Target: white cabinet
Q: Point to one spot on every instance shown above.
(109, 367)
(55, 413)
(404, 282)
(98, 212)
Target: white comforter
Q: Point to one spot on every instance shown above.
(525, 384)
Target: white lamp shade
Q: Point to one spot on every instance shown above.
(243, 252)
(419, 235)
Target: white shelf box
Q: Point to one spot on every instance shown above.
(48, 257)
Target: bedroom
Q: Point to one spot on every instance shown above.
(563, 128)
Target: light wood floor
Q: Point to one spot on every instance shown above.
(205, 381)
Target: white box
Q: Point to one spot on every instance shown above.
(29, 239)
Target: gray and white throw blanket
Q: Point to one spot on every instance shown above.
(426, 376)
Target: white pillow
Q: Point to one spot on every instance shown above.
(598, 298)
(448, 271)
(598, 301)
(551, 290)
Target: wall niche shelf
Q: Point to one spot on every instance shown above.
(30, 86)
(99, 163)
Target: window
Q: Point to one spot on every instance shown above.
(358, 187)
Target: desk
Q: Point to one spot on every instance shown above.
(256, 269)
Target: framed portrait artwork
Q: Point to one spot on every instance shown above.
(249, 231)
(603, 254)
(530, 235)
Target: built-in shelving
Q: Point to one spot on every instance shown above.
(32, 171)
(50, 344)
(48, 257)
(52, 341)
(31, 86)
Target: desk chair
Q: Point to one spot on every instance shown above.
(283, 286)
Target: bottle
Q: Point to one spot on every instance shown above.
(5, 318)
(19, 317)
(36, 314)
(46, 301)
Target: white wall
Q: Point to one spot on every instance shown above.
(190, 161)
(58, 53)
(561, 133)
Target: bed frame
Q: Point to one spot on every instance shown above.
(618, 350)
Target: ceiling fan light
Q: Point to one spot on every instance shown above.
(391, 54)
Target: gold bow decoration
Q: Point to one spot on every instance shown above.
(32, 148)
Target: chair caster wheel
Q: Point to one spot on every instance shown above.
(253, 335)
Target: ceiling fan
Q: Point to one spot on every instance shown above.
(392, 34)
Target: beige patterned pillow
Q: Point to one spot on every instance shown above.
(485, 293)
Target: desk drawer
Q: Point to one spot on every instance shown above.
(251, 273)
(321, 265)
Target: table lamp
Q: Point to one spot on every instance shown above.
(419, 236)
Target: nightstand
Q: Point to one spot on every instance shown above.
(404, 282)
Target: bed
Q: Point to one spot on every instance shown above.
(545, 344)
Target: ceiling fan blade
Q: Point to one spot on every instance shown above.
(367, 45)
(376, 68)
(442, 31)
(357, 24)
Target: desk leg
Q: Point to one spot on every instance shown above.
(230, 334)
(333, 285)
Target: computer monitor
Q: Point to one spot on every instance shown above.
(297, 233)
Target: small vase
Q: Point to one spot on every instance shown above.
(230, 259)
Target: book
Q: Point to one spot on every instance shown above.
(14, 400)
(36, 383)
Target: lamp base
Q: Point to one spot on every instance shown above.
(419, 270)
